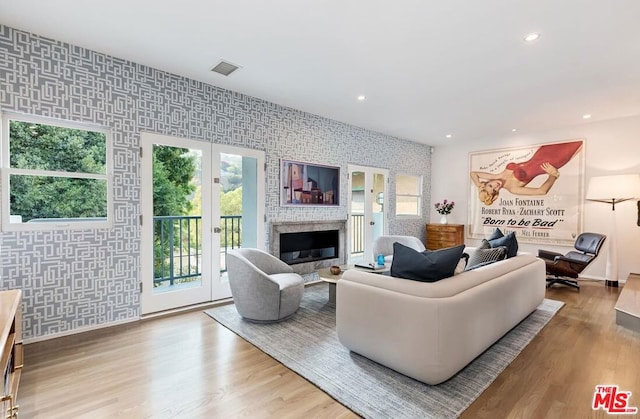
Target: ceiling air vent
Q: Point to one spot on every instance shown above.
(225, 68)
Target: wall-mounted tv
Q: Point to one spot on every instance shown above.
(309, 184)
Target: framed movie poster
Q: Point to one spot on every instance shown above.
(309, 184)
(535, 191)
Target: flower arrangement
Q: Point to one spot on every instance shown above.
(445, 207)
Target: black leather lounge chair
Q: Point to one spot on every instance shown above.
(564, 269)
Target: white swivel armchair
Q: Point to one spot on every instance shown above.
(384, 245)
(264, 288)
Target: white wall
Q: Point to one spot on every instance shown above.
(612, 147)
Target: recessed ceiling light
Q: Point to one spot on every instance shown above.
(361, 98)
(448, 135)
(513, 130)
(534, 36)
(586, 116)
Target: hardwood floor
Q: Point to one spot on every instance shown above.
(556, 374)
(188, 366)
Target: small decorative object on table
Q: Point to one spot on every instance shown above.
(444, 208)
(335, 270)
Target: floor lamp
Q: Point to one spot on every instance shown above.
(613, 190)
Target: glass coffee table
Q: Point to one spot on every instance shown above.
(326, 276)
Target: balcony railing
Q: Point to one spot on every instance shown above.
(230, 237)
(178, 246)
(357, 234)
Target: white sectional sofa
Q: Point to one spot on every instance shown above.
(430, 331)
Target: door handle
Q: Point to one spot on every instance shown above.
(371, 223)
(217, 230)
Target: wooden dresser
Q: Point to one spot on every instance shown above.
(11, 346)
(444, 235)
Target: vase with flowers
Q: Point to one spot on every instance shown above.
(444, 208)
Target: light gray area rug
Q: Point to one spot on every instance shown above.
(308, 344)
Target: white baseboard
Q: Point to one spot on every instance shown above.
(599, 279)
(134, 319)
(79, 330)
(193, 307)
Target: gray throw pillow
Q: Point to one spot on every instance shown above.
(484, 256)
(428, 266)
(484, 244)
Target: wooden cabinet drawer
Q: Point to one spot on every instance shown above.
(444, 235)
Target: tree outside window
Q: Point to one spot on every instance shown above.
(55, 175)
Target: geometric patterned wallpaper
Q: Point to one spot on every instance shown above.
(81, 278)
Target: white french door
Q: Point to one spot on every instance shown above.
(239, 192)
(185, 238)
(367, 210)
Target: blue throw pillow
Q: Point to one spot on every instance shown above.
(497, 233)
(428, 266)
(509, 241)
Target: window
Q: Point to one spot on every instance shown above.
(55, 174)
(408, 195)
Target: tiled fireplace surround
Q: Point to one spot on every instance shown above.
(278, 228)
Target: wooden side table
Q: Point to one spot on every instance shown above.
(326, 275)
(444, 235)
(332, 279)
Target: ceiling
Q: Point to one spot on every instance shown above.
(428, 68)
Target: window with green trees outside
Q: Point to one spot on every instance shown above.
(56, 174)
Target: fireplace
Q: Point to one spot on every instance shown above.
(308, 245)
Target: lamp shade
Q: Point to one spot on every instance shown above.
(614, 188)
